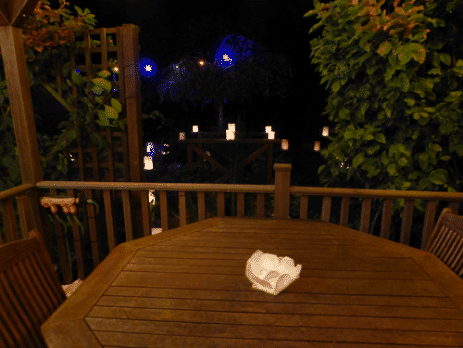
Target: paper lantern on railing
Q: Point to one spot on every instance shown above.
(316, 146)
(231, 126)
(181, 136)
(195, 129)
(271, 135)
(230, 134)
(285, 144)
(326, 131)
(148, 163)
(268, 129)
(152, 197)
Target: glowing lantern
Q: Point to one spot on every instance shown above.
(149, 147)
(271, 135)
(181, 136)
(230, 134)
(148, 163)
(268, 129)
(195, 129)
(316, 146)
(285, 144)
(231, 126)
(201, 62)
(326, 131)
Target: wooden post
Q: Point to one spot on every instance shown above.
(282, 185)
(14, 62)
(131, 76)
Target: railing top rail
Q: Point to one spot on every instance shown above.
(368, 193)
(15, 190)
(96, 185)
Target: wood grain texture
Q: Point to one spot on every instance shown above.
(187, 287)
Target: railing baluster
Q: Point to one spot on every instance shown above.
(24, 216)
(429, 221)
(261, 205)
(407, 221)
(220, 204)
(93, 229)
(344, 211)
(386, 219)
(78, 250)
(455, 206)
(10, 220)
(127, 215)
(240, 209)
(201, 206)
(109, 219)
(304, 207)
(62, 249)
(182, 207)
(326, 208)
(164, 214)
(145, 212)
(365, 218)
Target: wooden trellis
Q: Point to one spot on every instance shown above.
(84, 162)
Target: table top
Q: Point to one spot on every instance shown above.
(186, 287)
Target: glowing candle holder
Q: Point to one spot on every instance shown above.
(231, 126)
(230, 134)
(326, 131)
(148, 163)
(268, 129)
(195, 129)
(271, 135)
(285, 144)
(181, 136)
(316, 147)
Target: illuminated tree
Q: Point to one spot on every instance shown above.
(240, 70)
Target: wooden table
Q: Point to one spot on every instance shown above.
(187, 288)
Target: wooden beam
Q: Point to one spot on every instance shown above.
(14, 62)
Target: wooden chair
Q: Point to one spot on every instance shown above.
(30, 291)
(446, 240)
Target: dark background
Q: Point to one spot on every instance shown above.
(172, 30)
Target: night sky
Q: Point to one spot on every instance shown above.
(172, 30)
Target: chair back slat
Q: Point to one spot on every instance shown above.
(30, 292)
(446, 240)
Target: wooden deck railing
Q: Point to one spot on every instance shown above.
(281, 190)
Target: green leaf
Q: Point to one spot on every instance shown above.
(414, 175)
(423, 160)
(368, 137)
(104, 73)
(446, 59)
(321, 168)
(336, 86)
(445, 158)
(437, 178)
(435, 147)
(380, 138)
(406, 185)
(116, 105)
(102, 83)
(435, 71)
(384, 48)
(358, 160)
(392, 169)
(79, 10)
(453, 96)
(111, 112)
(344, 113)
(410, 102)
